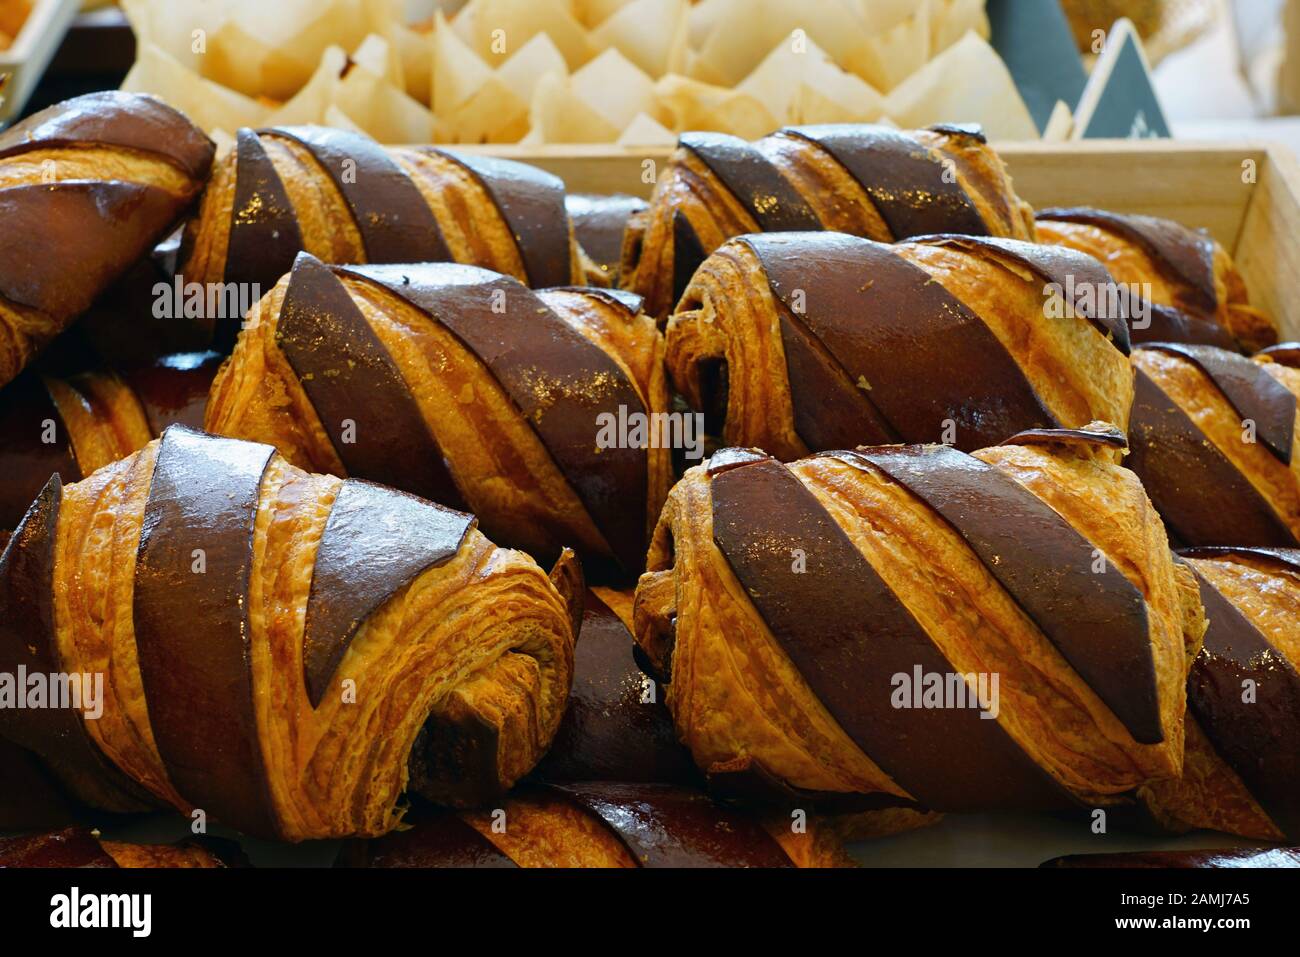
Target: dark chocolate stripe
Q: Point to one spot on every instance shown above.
(1284, 353)
(609, 733)
(349, 376)
(666, 826)
(1259, 739)
(395, 222)
(629, 302)
(1230, 857)
(115, 118)
(264, 233)
(26, 461)
(1288, 557)
(1187, 253)
(192, 628)
(358, 567)
(688, 253)
(1167, 324)
(748, 781)
(599, 223)
(532, 203)
(1201, 495)
(1097, 621)
(848, 634)
(1110, 437)
(1249, 389)
(916, 351)
(751, 177)
(903, 179)
(435, 840)
(70, 847)
(1069, 271)
(559, 380)
(173, 389)
(65, 243)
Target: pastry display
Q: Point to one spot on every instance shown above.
(86, 189)
(603, 825)
(467, 388)
(75, 425)
(1241, 772)
(82, 847)
(812, 341)
(599, 223)
(1214, 441)
(343, 198)
(1017, 610)
(1196, 294)
(344, 643)
(869, 181)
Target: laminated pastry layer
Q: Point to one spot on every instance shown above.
(466, 427)
(718, 187)
(472, 652)
(737, 695)
(990, 358)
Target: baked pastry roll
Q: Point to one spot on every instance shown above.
(1195, 292)
(870, 181)
(73, 425)
(1214, 441)
(1227, 857)
(30, 799)
(86, 188)
(345, 199)
(1242, 769)
(810, 341)
(1017, 612)
(598, 224)
(603, 825)
(286, 652)
(465, 387)
(82, 847)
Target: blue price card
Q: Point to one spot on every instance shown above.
(1120, 100)
(1034, 40)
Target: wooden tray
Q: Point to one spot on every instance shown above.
(23, 63)
(1247, 196)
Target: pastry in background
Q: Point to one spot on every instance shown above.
(1214, 440)
(467, 388)
(1196, 293)
(1228, 857)
(869, 181)
(1241, 773)
(1017, 610)
(599, 223)
(286, 652)
(13, 14)
(82, 847)
(74, 425)
(87, 187)
(812, 341)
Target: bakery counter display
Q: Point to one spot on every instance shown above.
(802, 342)
(1214, 438)
(870, 181)
(343, 643)
(467, 388)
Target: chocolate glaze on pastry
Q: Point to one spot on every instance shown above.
(435, 839)
(759, 186)
(1284, 353)
(26, 409)
(1228, 857)
(599, 223)
(71, 847)
(264, 236)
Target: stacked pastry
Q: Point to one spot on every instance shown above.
(86, 189)
(1194, 291)
(915, 625)
(286, 653)
(465, 387)
(869, 181)
(80, 847)
(805, 342)
(1214, 438)
(599, 223)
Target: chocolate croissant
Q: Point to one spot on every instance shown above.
(1242, 769)
(598, 225)
(997, 631)
(1227, 857)
(345, 199)
(1214, 439)
(869, 181)
(86, 188)
(467, 388)
(286, 652)
(603, 825)
(75, 425)
(83, 847)
(1195, 292)
(30, 798)
(812, 341)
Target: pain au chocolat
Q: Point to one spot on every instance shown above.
(1195, 292)
(1214, 440)
(345, 199)
(1005, 630)
(286, 652)
(467, 388)
(76, 424)
(1241, 773)
(86, 189)
(869, 181)
(82, 847)
(802, 342)
(606, 825)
